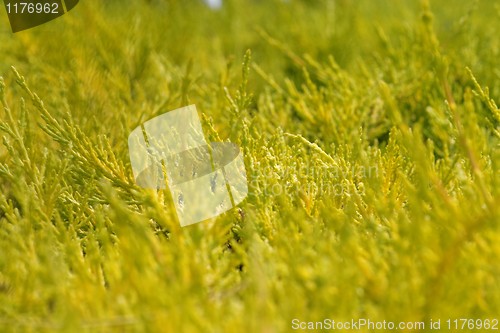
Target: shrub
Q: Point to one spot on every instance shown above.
(371, 143)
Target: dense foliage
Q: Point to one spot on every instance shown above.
(371, 144)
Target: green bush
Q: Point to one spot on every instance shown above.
(371, 144)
